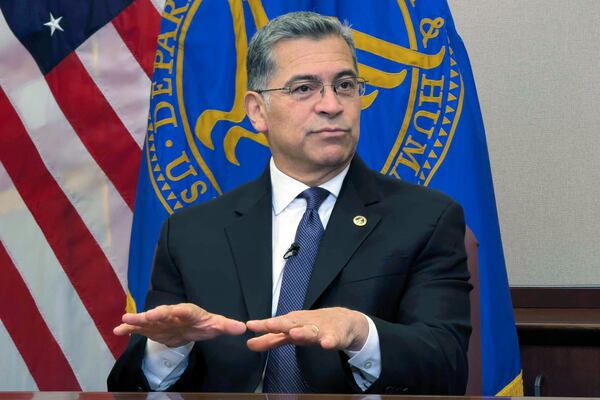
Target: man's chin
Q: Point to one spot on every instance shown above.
(335, 160)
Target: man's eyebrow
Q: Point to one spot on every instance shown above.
(297, 78)
(344, 74)
(309, 77)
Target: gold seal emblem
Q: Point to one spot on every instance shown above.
(359, 220)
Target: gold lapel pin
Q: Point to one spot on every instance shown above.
(359, 220)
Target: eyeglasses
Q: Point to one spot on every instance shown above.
(305, 90)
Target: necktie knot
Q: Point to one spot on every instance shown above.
(314, 196)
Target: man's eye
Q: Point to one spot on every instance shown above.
(346, 85)
(303, 88)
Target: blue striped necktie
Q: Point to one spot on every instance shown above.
(283, 373)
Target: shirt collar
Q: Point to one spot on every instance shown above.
(286, 189)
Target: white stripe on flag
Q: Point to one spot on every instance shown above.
(103, 210)
(159, 4)
(15, 373)
(52, 291)
(127, 88)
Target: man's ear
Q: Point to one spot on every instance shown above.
(256, 110)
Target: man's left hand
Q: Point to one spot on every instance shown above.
(331, 328)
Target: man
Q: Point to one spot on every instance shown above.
(321, 275)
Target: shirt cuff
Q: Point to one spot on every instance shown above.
(163, 365)
(366, 362)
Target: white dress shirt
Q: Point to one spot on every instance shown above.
(163, 365)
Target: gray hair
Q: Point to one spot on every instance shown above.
(295, 25)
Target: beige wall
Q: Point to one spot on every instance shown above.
(537, 69)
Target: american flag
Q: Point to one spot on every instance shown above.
(74, 90)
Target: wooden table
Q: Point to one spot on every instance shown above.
(211, 396)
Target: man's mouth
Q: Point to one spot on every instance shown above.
(331, 131)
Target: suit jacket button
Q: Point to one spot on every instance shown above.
(139, 389)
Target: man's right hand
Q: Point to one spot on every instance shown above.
(176, 325)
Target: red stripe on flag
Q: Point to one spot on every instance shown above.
(74, 246)
(25, 325)
(139, 25)
(97, 125)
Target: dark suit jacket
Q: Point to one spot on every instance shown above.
(406, 269)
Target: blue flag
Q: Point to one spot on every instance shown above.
(420, 122)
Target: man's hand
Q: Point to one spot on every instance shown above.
(331, 328)
(176, 325)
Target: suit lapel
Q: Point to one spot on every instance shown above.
(342, 235)
(251, 246)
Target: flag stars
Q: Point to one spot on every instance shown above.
(54, 24)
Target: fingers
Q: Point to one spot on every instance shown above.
(304, 333)
(268, 341)
(134, 319)
(158, 314)
(282, 330)
(123, 330)
(187, 312)
(228, 326)
(274, 325)
(194, 315)
(331, 328)
(258, 326)
(180, 323)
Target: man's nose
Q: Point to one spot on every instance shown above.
(329, 102)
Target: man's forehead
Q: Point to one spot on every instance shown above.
(309, 56)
